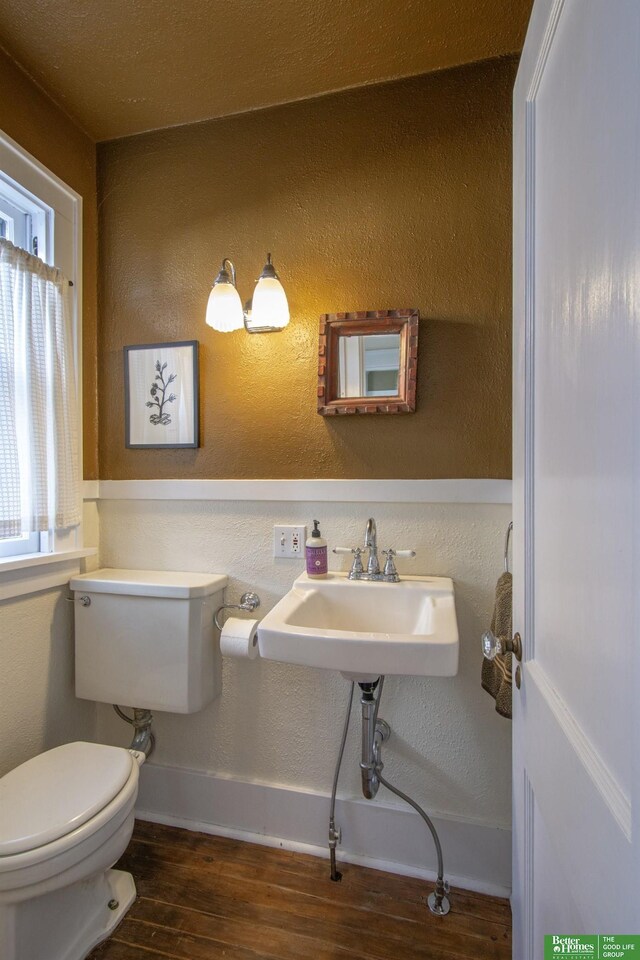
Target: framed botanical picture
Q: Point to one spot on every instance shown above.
(161, 394)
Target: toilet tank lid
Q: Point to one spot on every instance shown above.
(150, 583)
(55, 792)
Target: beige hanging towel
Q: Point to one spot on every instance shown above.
(496, 673)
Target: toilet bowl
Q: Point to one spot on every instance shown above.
(66, 816)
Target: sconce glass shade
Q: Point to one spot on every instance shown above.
(224, 308)
(269, 308)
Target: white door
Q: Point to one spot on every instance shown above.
(576, 759)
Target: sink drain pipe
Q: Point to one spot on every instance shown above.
(374, 733)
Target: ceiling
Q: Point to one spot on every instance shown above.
(120, 67)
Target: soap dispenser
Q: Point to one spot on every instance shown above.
(316, 554)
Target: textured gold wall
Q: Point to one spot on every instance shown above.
(387, 196)
(38, 125)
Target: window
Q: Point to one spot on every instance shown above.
(24, 220)
(40, 424)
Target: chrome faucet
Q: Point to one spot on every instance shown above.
(357, 572)
(371, 544)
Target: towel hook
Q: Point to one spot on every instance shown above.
(506, 547)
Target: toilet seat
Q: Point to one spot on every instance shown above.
(20, 871)
(52, 795)
(23, 869)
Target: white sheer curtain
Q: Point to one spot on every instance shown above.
(39, 461)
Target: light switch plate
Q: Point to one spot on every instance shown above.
(289, 541)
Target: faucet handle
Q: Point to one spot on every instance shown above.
(390, 554)
(356, 567)
(390, 572)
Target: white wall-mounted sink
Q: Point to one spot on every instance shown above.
(364, 628)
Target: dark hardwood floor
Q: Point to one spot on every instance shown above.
(207, 898)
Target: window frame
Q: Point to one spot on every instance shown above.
(39, 185)
(31, 219)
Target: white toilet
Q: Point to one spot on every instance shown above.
(143, 639)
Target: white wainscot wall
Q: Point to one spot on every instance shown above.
(258, 763)
(38, 707)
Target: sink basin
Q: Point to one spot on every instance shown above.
(365, 629)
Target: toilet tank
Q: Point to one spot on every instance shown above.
(146, 638)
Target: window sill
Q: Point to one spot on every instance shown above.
(28, 573)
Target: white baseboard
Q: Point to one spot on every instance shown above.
(375, 833)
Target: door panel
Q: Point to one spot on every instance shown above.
(583, 450)
(576, 303)
(554, 896)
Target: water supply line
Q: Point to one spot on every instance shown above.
(143, 739)
(438, 900)
(374, 733)
(335, 835)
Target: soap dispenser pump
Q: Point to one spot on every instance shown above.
(316, 553)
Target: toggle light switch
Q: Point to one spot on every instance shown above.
(288, 541)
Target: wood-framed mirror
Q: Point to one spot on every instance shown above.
(367, 362)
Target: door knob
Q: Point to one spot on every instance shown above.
(492, 646)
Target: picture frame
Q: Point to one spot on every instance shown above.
(161, 395)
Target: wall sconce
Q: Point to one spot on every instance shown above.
(266, 312)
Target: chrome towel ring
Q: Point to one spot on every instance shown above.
(506, 548)
(248, 601)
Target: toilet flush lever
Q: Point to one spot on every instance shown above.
(84, 601)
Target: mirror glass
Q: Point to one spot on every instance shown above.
(369, 366)
(367, 362)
